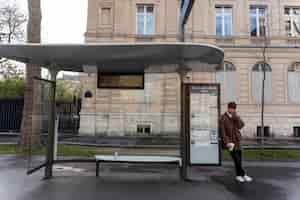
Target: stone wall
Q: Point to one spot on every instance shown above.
(158, 104)
(118, 112)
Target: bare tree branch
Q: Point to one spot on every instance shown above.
(12, 22)
(12, 28)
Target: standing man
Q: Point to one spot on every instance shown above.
(230, 126)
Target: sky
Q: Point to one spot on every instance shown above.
(63, 21)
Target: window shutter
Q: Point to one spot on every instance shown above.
(294, 86)
(257, 77)
(231, 86)
(296, 24)
(227, 79)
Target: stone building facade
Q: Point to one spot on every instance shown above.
(254, 34)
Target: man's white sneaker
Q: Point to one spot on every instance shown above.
(240, 179)
(247, 178)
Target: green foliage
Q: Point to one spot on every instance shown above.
(65, 90)
(11, 88)
(68, 150)
(63, 150)
(14, 87)
(8, 149)
(267, 154)
(84, 151)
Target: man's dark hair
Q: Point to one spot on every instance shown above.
(232, 105)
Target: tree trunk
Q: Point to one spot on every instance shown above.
(30, 121)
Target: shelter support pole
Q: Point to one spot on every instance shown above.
(56, 136)
(183, 136)
(51, 128)
(183, 170)
(183, 132)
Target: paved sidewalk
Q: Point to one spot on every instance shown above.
(273, 181)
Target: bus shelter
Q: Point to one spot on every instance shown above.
(199, 106)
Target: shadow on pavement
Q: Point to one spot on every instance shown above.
(270, 183)
(252, 191)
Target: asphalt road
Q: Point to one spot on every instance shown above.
(273, 181)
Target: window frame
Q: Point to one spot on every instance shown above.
(290, 16)
(267, 131)
(256, 68)
(223, 24)
(143, 127)
(294, 67)
(224, 69)
(296, 131)
(257, 16)
(109, 16)
(145, 17)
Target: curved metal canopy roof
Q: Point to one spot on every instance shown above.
(110, 57)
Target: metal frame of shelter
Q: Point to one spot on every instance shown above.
(137, 57)
(108, 57)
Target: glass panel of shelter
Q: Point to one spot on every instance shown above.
(130, 118)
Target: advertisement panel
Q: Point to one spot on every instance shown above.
(203, 126)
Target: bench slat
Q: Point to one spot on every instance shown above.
(142, 159)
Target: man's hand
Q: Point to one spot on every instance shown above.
(235, 116)
(238, 121)
(230, 146)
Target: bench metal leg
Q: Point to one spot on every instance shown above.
(97, 168)
(179, 170)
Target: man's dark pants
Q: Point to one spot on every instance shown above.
(237, 159)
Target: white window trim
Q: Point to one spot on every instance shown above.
(145, 6)
(292, 69)
(253, 96)
(223, 20)
(224, 86)
(291, 18)
(257, 20)
(291, 15)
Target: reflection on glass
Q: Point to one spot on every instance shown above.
(145, 20)
(150, 25)
(223, 21)
(219, 26)
(258, 21)
(228, 25)
(140, 24)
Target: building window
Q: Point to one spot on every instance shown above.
(258, 21)
(106, 16)
(226, 76)
(294, 83)
(292, 21)
(143, 129)
(296, 131)
(145, 20)
(223, 21)
(257, 78)
(266, 131)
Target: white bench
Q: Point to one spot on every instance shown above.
(136, 159)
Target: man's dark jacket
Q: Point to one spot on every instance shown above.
(230, 127)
